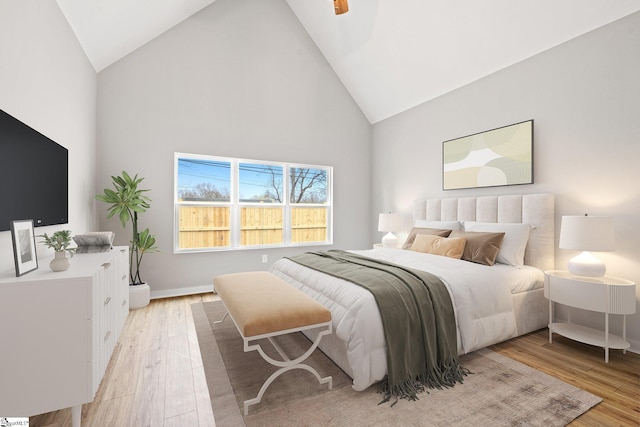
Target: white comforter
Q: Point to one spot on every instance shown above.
(481, 298)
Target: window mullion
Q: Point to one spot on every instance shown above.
(286, 205)
(235, 206)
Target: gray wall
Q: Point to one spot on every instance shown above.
(47, 82)
(239, 79)
(584, 97)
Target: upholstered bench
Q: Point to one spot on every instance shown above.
(262, 305)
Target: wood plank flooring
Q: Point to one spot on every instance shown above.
(156, 378)
(616, 382)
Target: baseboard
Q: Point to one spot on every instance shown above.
(179, 292)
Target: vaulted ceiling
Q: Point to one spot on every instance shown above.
(391, 55)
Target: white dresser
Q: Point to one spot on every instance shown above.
(58, 331)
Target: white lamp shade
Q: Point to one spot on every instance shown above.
(389, 222)
(587, 233)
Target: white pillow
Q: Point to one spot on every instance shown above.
(515, 240)
(441, 225)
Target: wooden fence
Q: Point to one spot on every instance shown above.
(260, 226)
(308, 225)
(204, 227)
(207, 226)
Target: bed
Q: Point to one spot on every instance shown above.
(492, 303)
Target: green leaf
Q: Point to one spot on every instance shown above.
(145, 243)
(124, 217)
(59, 241)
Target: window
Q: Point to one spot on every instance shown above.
(226, 203)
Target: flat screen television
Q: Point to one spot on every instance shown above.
(34, 176)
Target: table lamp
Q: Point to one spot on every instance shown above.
(390, 223)
(587, 233)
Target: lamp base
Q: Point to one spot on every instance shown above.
(587, 265)
(389, 241)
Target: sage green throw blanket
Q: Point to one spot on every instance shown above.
(417, 318)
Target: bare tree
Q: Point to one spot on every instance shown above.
(307, 185)
(204, 191)
(276, 184)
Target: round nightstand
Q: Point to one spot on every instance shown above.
(608, 295)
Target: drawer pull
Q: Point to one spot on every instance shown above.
(124, 276)
(124, 302)
(107, 335)
(107, 301)
(106, 265)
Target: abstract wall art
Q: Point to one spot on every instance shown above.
(502, 156)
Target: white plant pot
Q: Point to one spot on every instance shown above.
(60, 262)
(139, 296)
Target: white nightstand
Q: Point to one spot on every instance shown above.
(609, 295)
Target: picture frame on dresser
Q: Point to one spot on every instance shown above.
(24, 246)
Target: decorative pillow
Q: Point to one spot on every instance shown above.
(515, 240)
(415, 231)
(442, 225)
(437, 245)
(481, 248)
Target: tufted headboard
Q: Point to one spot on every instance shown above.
(534, 209)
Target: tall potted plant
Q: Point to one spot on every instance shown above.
(127, 201)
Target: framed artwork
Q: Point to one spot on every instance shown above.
(24, 246)
(502, 156)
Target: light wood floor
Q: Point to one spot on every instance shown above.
(617, 382)
(156, 378)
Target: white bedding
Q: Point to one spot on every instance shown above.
(481, 295)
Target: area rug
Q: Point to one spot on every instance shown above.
(499, 392)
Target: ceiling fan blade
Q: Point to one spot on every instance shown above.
(340, 6)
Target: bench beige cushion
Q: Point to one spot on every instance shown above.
(262, 303)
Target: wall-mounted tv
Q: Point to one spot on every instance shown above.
(34, 176)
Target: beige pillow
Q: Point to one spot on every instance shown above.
(437, 245)
(418, 230)
(481, 248)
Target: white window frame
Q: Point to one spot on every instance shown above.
(235, 205)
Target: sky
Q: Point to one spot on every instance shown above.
(255, 179)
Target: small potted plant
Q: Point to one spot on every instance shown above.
(59, 241)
